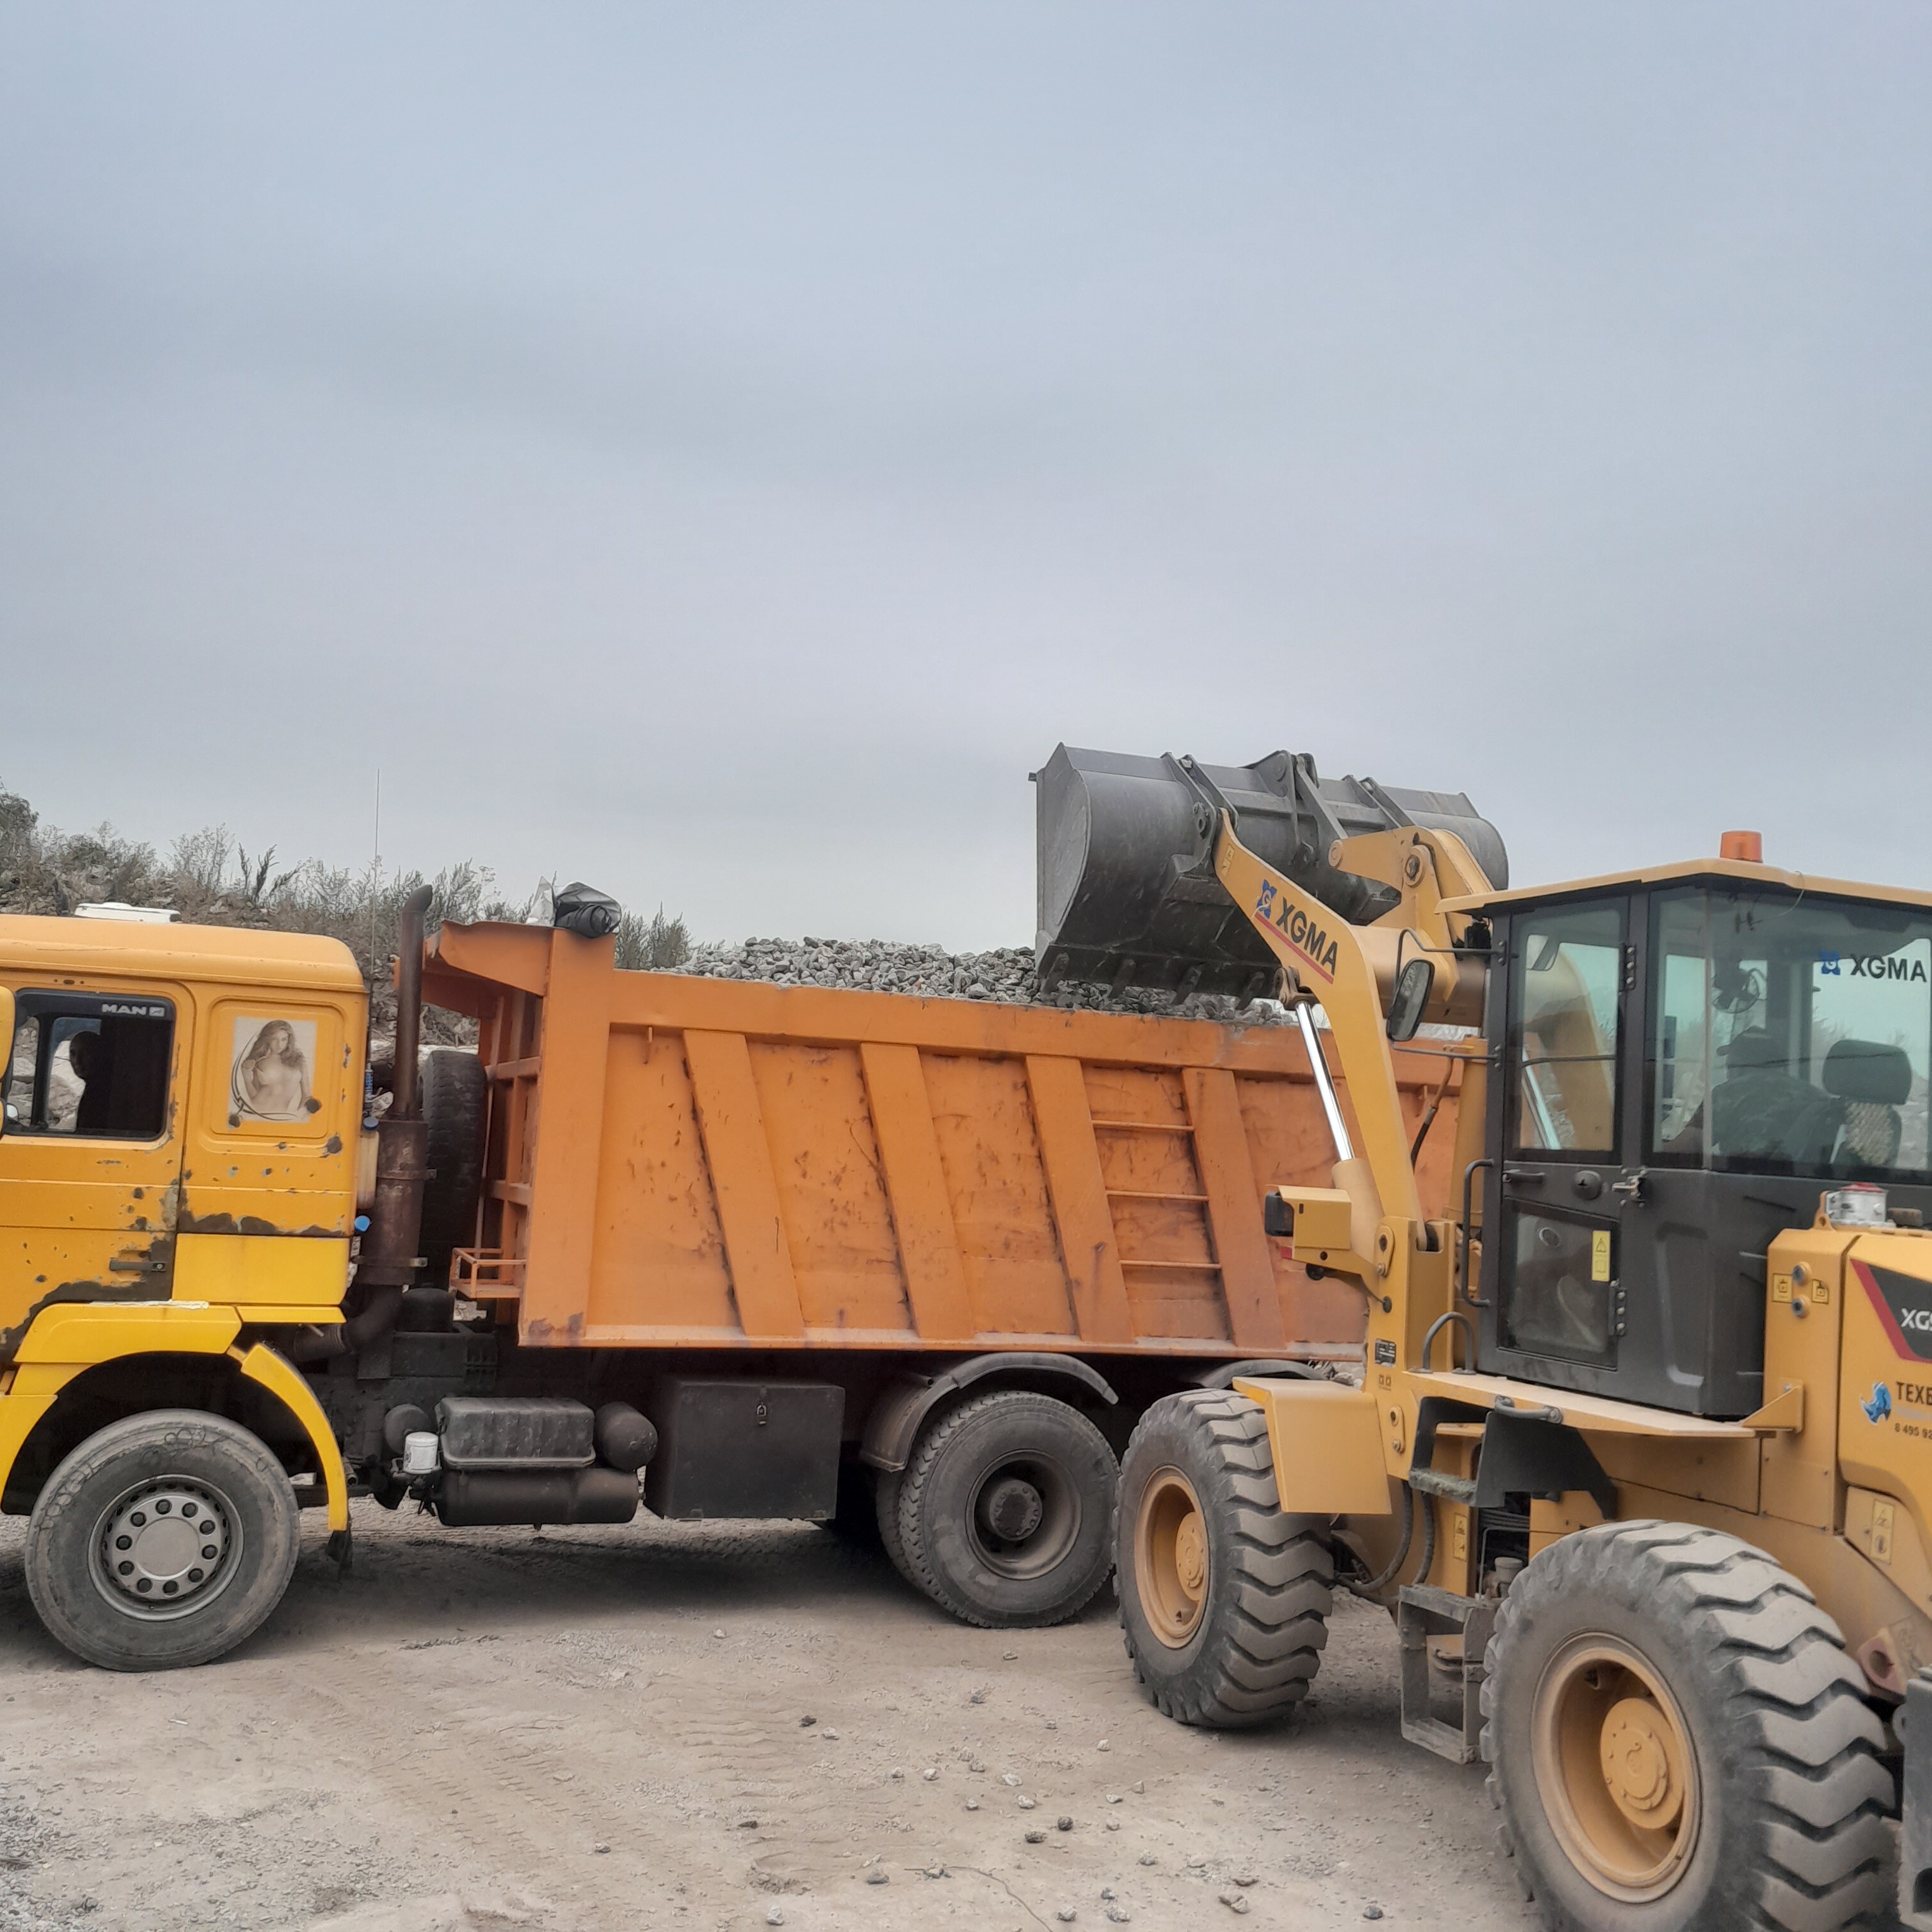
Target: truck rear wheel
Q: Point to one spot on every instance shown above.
(886, 1484)
(1005, 1512)
(164, 1539)
(1679, 1740)
(1224, 1600)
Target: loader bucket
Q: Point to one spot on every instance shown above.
(1127, 891)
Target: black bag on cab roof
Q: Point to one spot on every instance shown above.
(584, 911)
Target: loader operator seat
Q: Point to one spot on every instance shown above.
(1871, 1081)
(1761, 1108)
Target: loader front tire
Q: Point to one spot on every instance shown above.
(1224, 1599)
(164, 1540)
(1679, 1743)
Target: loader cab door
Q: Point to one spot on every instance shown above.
(1683, 1069)
(1556, 1308)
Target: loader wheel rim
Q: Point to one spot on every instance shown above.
(1171, 1564)
(165, 1548)
(1025, 1516)
(1616, 1768)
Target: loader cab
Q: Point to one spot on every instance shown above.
(1684, 1061)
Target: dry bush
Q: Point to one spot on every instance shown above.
(210, 879)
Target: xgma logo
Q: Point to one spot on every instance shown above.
(1918, 1318)
(1871, 966)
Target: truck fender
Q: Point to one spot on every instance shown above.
(1223, 1374)
(286, 1383)
(906, 1402)
(69, 1338)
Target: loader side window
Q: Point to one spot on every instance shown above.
(89, 1066)
(1569, 982)
(1793, 1035)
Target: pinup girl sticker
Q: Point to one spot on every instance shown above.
(272, 1076)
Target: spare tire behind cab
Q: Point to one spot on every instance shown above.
(456, 1105)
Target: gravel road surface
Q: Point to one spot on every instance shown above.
(679, 1726)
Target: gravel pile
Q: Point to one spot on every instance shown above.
(1005, 976)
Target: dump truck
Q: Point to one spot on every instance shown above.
(1639, 1457)
(718, 1249)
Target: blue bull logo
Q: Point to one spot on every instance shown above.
(1878, 1405)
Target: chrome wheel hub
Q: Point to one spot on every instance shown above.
(164, 1548)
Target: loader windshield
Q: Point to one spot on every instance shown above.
(1789, 1034)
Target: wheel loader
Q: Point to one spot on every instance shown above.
(1639, 1458)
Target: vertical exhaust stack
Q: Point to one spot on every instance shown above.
(390, 1244)
(386, 1261)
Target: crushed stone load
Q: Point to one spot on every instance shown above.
(1005, 975)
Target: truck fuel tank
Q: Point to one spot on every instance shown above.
(1127, 893)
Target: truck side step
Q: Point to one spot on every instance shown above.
(1460, 1627)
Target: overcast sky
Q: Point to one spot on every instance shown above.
(719, 451)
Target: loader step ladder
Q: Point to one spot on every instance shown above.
(1438, 1629)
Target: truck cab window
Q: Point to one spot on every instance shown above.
(1569, 967)
(89, 1066)
(1791, 1036)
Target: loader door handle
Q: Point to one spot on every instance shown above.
(1631, 1189)
(1526, 1177)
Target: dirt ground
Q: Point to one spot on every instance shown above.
(678, 1726)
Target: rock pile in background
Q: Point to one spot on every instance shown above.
(1005, 975)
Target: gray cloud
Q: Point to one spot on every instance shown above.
(720, 452)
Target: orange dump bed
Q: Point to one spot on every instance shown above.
(700, 1162)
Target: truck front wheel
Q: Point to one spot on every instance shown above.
(1005, 1513)
(164, 1539)
(1680, 1743)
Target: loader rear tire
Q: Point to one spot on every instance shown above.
(1224, 1599)
(1006, 1511)
(164, 1539)
(1679, 1743)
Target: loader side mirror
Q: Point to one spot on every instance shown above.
(1413, 986)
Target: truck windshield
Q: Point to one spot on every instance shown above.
(1789, 1034)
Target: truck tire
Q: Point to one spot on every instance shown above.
(111, 1572)
(1679, 1740)
(1005, 1513)
(456, 1105)
(886, 1484)
(1224, 1599)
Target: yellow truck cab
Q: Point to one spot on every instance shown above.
(177, 1189)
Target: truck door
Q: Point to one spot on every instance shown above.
(1556, 1312)
(90, 1156)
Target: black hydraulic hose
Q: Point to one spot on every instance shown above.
(1388, 1575)
(350, 1337)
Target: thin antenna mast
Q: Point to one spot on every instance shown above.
(376, 875)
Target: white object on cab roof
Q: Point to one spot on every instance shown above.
(120, 909)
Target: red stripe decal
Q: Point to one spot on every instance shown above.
(1887, 1319)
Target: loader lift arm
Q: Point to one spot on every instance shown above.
(1350, 972)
